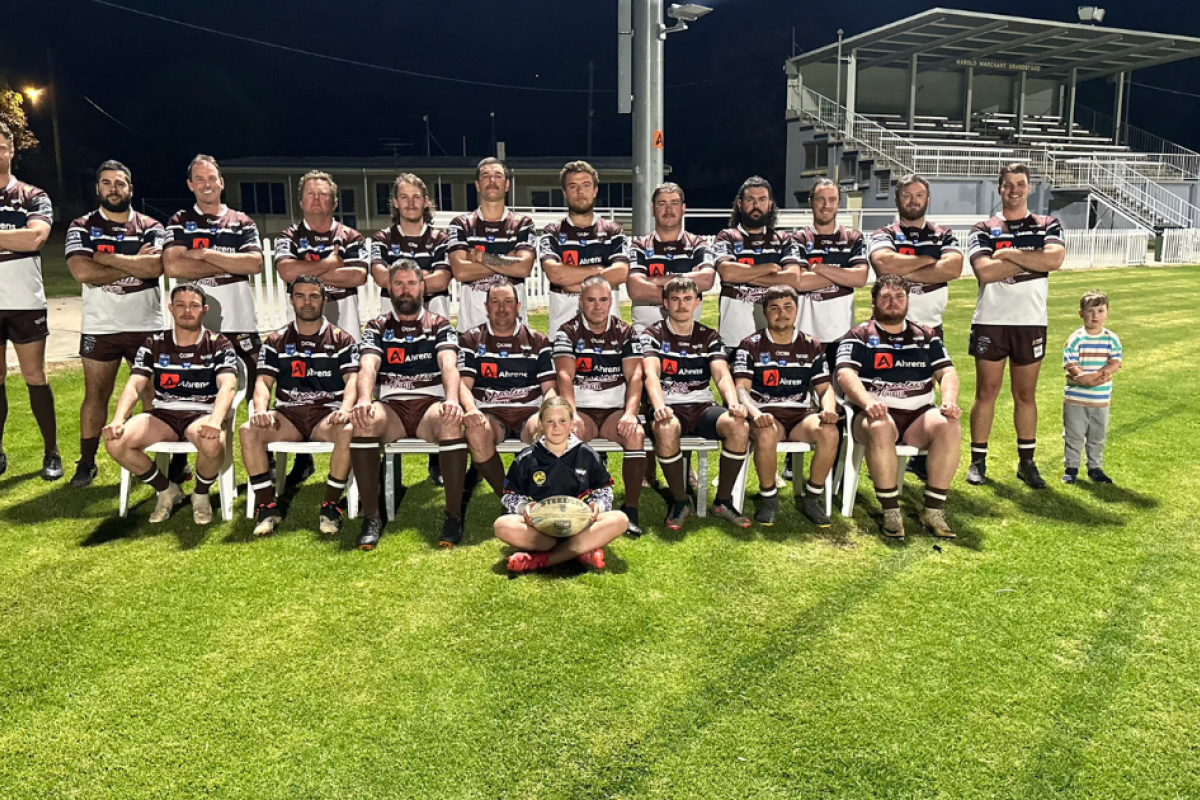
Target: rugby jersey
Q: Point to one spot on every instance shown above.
(508, 370)
(1090, 352)
(185, 378)
(22, 288)
(407, 351)
(302, 243)
(685, 360)
(309, 370)
(599, 360)
(536, 473)
(498, 237)
(428, 249)
(926, 301)
(768, 246)
(231, 304)
(827, 313)
(1020, 299)
(654, 258)
(895, 368)
(600, 244)
(127, 304)
(781, 374)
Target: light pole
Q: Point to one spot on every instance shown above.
(34, 94)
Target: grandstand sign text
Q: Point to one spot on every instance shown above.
(985, 64)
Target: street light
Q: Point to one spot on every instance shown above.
(687, 12)
(34, 94)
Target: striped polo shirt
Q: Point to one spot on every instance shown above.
(1090, 352)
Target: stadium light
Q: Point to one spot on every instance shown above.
(1092, 14)
(687, 12)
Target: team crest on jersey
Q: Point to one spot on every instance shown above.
(666, 347)
(190, 227)
(395, 249)
(650, 252)
(764, 358)
(756, 337)
(581, 346)
(388, 336)
(900, 237)
(873, 341)
(289, 350)
(562, 238)
(582, 242)
(737, 247)
(303, 242)
(581, 474)
(996, 232)
(96, 233)
(481, 349)
(504, 354)
(539, 478)
(164, 360)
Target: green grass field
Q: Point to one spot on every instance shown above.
(56, 275)
(1052, 651)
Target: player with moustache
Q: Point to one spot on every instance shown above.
(598, 362)
(580, 246)
(313, 367)
(777, 371)
(115, 254)
(411, 355)
(193, 374)
(489, 246)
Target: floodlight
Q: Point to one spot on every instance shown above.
(687, 12)
(1091, 14)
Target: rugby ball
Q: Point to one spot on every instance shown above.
(560, 516)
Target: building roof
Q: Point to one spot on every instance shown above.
(947, 39)
(412, 163)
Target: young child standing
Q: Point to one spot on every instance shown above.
(1091, 357)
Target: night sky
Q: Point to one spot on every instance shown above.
(185, 91)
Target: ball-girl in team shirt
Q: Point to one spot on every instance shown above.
(558, 463)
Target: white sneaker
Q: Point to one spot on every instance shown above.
(167, 500)
(201, 508)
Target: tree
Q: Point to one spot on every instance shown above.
(13, 115)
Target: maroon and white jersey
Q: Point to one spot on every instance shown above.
(781, 374)
(230, 304)
(428, 249)
(129, 304)
(926, 301)
(508, 370)
(599, 360)
(768, 246)
(309, 370)
(685, 360)
(895, 368)
(1021, 299)
(21, 288)
(654, 258)
(302, 243)
(185, 378)
(408, 354)
(827, 313)
(598, 245)
(472, 232)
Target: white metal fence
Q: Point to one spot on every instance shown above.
(1180, 247)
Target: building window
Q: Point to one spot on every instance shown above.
(264, 198)
(383, 200)
(472, 197)
(445, 196)
(346, 209)
(547, 198)
(816, 156)
(614, 195)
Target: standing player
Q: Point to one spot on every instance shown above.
(115, 254)
(777, 370)
(411, 355)
(321, 246)
(580, 246)
(507, 371)
(598, 360)
(193, 372)
(1012, 255)
(925, 254)
(682, 358)
(26, 215)
(667, 253)
(887, 368)
(750, 256)
(836, 261)
(489, 246)
(312, 365)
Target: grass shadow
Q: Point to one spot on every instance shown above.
(1111, 493)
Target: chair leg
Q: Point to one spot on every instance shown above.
(123, 508)
(798, 474)
(225, 479)
(702, 483)
(739, 486)
(850, 483)
(351, 496)
(281, 470)
(389, 485)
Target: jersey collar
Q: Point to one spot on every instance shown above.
(222, 212)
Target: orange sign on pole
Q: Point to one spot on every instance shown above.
(658, 140)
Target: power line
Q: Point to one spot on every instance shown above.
(93, 104)
(1168, 91)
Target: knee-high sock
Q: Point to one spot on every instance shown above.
(730, 466)
(1026, 448)
(935, 498)
(88, 448)
(155, 479)
(41, 402)
(452, 456)
(673, 468)
(333, 488)
(365, 455)
(492, 471)
(888, 498)
(633, 471)
(3, 411)
(203, 484)
(264, 490)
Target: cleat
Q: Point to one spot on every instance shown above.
(768, 510)
(1070, 476)
(3, 463)
(1097, 476)
(527, 562)
(452, 532)
(167, 499)
(302, 469)
(266, 519)
(726, 511)
(592, 558)
(893, 523)
(368, 537)
(935, 520)
(1027, 473)
(977, 473)
(435, 470)
(201, 509)
(52, 468)
(84, 475)
(787, 474)
(330, 521)
(814, 509)
(916, 465)
(679, 512)
(634, 530)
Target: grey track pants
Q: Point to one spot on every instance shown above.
(1084, 426)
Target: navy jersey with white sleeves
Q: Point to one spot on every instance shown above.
(1020, 299)
(536, 474)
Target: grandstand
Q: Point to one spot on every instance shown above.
(952, 95)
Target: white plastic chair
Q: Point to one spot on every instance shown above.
(739, 488)
(852, 456)
(282, 450)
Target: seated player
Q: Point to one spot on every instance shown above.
(681, 357)
(557, 464)
(776, 371)
(506, 373)
(887, 368)
(412, 355)
(312, 364)
(598, 360)
(193, 372)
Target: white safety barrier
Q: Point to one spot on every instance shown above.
(1180, 246)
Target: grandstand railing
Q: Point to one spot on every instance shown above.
(1129, 188)
(1178, 160)
(867, 134)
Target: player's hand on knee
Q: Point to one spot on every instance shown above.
(876, 410)
(362, 413)
(951, 410)
(452, 413)
(628, 425)
(474, 419)
(338, 417)
(828, 417)
(738, 411)
(264, 419)
(209, 429)
(113, 431)
(663, 414)
(764, 420)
